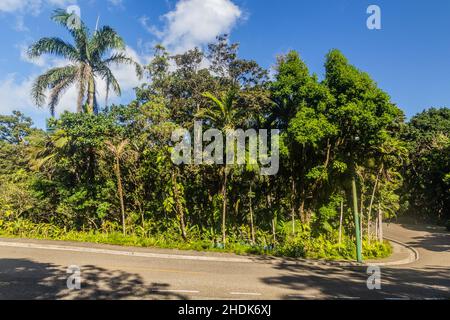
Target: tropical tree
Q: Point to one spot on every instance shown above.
(119, 152)
(224, 115)
(300, 109)
(87, 63)
(427, 180)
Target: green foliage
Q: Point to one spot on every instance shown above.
(310, 127)
(300, 246)
(14, 128)
(325, 246)
(107, 176)
(427, 190)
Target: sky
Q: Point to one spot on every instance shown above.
(409, 57)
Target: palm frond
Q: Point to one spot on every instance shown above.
(79, 32)
(59, 88)
(213, 98)
(122, 58)
(110, 80)
(210, 115)
(54, 46)
(105, 39)
(121, 147)
(117, 150)
(49, 80)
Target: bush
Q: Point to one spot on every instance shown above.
(300, 245)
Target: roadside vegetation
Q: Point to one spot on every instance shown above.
(105, 174)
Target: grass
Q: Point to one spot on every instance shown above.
(296, 247)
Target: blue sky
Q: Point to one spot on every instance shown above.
(409, 57)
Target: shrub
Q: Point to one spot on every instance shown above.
(300, 245)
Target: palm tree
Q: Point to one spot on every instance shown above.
(86, 63)
(224, 115)
(119, 152)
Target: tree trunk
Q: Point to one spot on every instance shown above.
(142, 219)
(269, 206)
(179, 206)
(303, 216)
(252, 227)
(120, 189)
(372, 200)
(376, 227)
(107, 96)
(81, 93)
(236, 208)
(368, 227)
(141, 212)
(293, 191)
(361, 219)
(224, 205)
(274, 230)
(356, 216)
(341, 221)
(380, 224)
(91, 96)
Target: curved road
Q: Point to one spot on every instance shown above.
(32, 269)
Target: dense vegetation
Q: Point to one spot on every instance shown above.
(106, 174)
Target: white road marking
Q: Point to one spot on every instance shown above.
(245, 294)
(321, 297)
(175, 291)
(121, 253)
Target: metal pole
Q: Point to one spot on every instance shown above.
(357, 226)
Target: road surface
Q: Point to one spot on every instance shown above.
(38, 270)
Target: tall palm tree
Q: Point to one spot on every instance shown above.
(87, 62)
(119, 152)
(224, 115)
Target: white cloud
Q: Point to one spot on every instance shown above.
(10, 6)
(20, 24)
(15, 95)
(145, 22)
(195, 22)
(21, 8)
(30, 6)
(116, 3)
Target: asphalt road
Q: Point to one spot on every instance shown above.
(38, 270)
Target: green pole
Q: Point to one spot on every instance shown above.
(358, 231)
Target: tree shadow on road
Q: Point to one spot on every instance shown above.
(306, 281)
(435, 239)
(22, 279)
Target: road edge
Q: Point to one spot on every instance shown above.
(413, 257)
